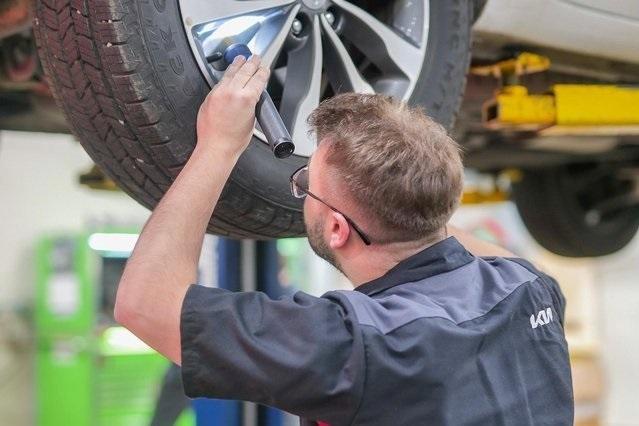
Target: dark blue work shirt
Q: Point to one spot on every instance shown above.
(444, 338)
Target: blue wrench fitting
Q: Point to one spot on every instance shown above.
(267, 114)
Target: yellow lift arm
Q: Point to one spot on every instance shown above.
(566, 109)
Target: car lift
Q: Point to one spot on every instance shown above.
(564, 110)
(567, 109)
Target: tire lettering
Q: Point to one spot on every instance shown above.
(177, 65)
(167, 36)
(188, 89)
(160, 5)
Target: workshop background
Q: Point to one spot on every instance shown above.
(41, 198)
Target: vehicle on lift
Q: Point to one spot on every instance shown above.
(129, 78)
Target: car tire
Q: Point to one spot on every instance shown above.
(553, 204)
(130, 87)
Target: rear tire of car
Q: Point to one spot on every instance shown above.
(125, 76)
(553, 207)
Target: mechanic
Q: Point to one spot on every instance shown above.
(442, 330)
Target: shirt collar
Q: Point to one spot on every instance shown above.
(439, 258)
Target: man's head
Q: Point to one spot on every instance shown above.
(388, 167)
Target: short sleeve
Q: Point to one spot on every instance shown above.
(551, 284)
(557, 294)
(300, 353)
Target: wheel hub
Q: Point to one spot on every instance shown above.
(316, 6)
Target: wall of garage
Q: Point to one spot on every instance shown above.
(39, 194)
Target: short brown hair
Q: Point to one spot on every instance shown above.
(398, 164)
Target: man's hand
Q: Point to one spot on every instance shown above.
(227, 116)
(164, 262)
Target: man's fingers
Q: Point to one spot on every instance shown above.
(244, 78)
(257, 84)
(246, 72)
(233, 69)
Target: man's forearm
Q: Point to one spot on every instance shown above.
(477, 246)
(164, 262)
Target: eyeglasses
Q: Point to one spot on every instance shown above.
(299, 189)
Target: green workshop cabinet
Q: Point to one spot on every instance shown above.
(89, 371)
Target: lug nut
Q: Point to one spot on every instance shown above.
(297, 27)
(330, 18)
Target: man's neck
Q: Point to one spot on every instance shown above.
(378, 260)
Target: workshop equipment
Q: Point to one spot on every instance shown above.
(565, 109)
(89, 371)
(266, 113)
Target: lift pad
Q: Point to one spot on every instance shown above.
(509, 69)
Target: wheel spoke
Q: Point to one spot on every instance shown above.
(585, 180)
(196, 12)
(384, 47)
(274, 49)
(616, 204)
(623, 200)
(302, 88)
(340, 69)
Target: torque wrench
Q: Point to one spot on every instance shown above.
(267, 114)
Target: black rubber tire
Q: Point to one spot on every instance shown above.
(549, 208)
(124, 74)
(478, 8)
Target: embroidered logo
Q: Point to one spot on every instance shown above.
(543, 317)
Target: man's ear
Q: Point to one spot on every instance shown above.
(339, 230)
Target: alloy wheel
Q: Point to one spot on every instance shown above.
(315, 48)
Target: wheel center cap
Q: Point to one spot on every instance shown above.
(316, 5)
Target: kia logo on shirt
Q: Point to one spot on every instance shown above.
(543, 318)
